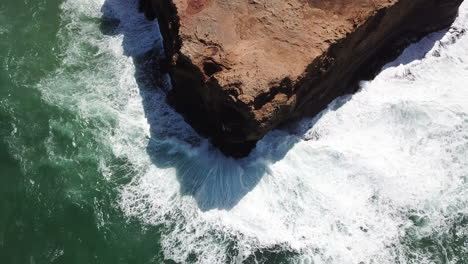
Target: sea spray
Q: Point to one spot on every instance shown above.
(364, 182)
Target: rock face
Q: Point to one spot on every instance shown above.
(242, 67)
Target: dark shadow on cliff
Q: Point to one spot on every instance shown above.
(417, 51)
(214, 180)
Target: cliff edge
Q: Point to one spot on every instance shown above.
(240, 68)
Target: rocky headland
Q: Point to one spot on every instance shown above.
(241, 68)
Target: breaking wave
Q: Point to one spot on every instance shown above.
(366, 181)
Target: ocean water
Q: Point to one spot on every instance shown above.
(95, 167)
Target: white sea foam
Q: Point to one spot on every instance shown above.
(340, 190)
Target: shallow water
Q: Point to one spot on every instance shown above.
(97, 168)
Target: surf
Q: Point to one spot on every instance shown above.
(361, 183)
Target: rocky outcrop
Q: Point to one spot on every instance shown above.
(242, 67)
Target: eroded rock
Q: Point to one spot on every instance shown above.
(242, 67)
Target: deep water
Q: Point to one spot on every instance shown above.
(95, 167)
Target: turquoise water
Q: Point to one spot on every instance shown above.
(96, 168)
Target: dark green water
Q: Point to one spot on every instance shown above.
(55, 207)
(80, 181)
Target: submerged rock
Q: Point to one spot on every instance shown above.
(242, 67)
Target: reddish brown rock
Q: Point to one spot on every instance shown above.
(242, 67)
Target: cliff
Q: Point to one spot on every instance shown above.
(242, 67)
